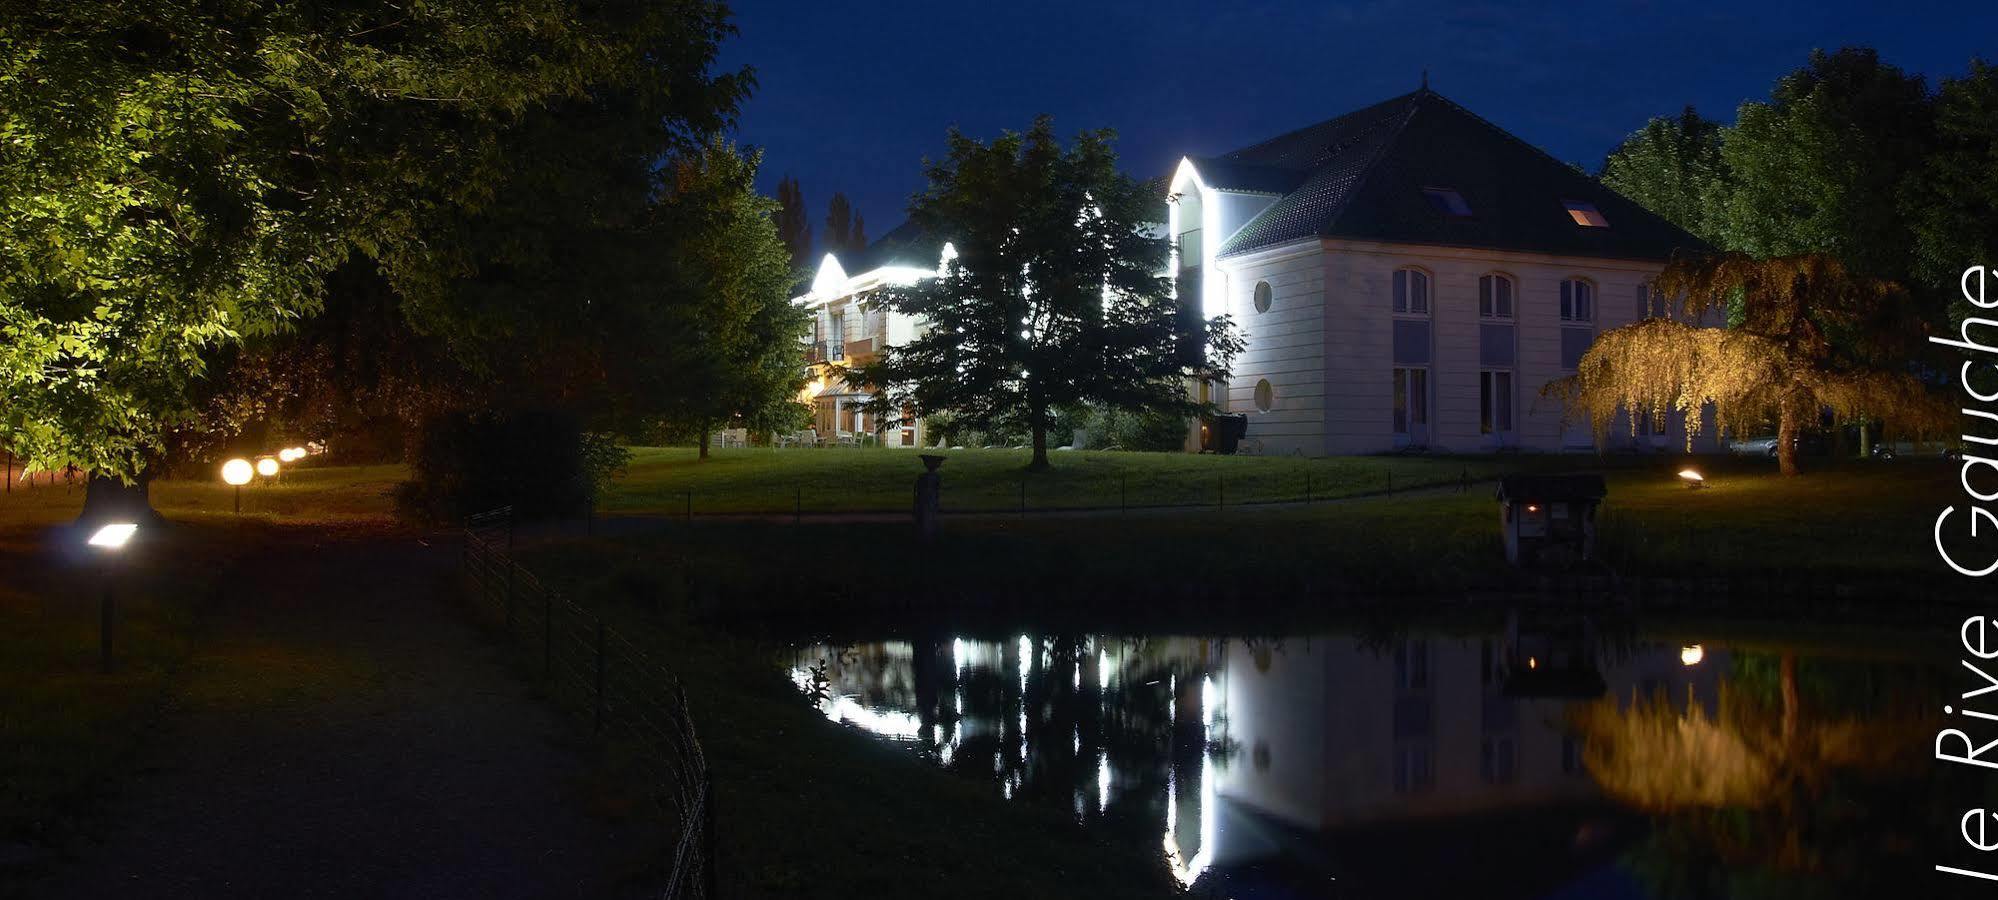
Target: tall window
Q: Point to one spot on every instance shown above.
(1578, 301)
(1411, 355)
(1651, 302)
(1578, 316)
(1411, 292)
(1495, 297)
(838, 339)
(1495, 401)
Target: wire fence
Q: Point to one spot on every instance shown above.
(601, 677)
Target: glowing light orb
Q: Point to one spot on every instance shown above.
(1691, 654)
(267, 467)
(238, 471)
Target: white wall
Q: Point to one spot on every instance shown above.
(1332, 376)
(1285, 345)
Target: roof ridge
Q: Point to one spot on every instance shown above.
(1237, 152)
(1373, 161)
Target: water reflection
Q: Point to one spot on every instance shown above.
(1541, 757)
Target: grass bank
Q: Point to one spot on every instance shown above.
(762, 480)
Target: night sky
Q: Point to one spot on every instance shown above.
(853, 95)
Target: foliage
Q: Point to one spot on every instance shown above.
(1673, 167)
(722, 347)
(1778, 363)
(540, 463)
(794, 225)
(846, 230)
(1953, 203)
(1054, 296)
(176, 176)
(1821, 166)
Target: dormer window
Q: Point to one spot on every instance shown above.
(1447, 202)
(1586, 215)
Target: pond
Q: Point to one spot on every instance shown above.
(1551, 756)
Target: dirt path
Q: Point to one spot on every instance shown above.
(341, 732)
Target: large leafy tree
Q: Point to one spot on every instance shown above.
(730, 329)
(1809, 335)
(175, 176)
(1953, 203)
(1055, 295)
(1673, 167)
(1820, 167)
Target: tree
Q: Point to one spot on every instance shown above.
(1820, 168)
(1054, 297)
(1778, 362)
(794, 225)
(844, 230)
(1953, 196)
(180, 175)
(1674, 167)
(737, 331)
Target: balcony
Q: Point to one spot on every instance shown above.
(859, 351)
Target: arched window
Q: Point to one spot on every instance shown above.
(1265, 395)
(1263, 296)
(1411, 292)
(1495, 296)
(1578, 300)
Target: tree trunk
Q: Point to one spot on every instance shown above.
(1786, 439)
(1865, 439)
(108, 500)
(706, 434)
(1040, 460)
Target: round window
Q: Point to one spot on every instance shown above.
(1263, 296)
(1265, 395)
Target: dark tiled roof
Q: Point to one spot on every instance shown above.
(1361, 176)
(903, 245)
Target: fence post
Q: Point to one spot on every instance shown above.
(600, 676)
(709, 871)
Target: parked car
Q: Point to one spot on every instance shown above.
(1809, 443)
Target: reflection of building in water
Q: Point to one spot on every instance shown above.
(1338, 734)
(1176, 737)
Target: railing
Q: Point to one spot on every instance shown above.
(595, 672)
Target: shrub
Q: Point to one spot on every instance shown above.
(541, 463)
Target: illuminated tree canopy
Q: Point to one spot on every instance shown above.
(1807, 337)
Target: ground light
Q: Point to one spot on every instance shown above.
(238, 472)
(108, 540)
(267, 467)
(1694, 480)
(1691, 654)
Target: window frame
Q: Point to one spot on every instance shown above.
(1492, 402)
(1570, 299)
(1488, 297)
(1400, 293)
(1585, 214)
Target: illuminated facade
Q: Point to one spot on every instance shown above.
(849, 326)
(1408, 276)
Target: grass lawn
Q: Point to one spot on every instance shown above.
(302, 495)
(1866, 525)
(64, 725)
(763, 480)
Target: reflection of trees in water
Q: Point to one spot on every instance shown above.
(1796, 782)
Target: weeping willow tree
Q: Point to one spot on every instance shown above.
(1806, 336)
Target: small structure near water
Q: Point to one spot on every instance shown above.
(1549, 520)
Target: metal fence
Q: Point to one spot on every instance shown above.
(602, 678)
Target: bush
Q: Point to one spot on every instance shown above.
(541, 463)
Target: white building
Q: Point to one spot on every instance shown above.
(1405, 276)
(848, 326)
(1410, 275)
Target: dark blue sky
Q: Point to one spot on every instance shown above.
(852, 95)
